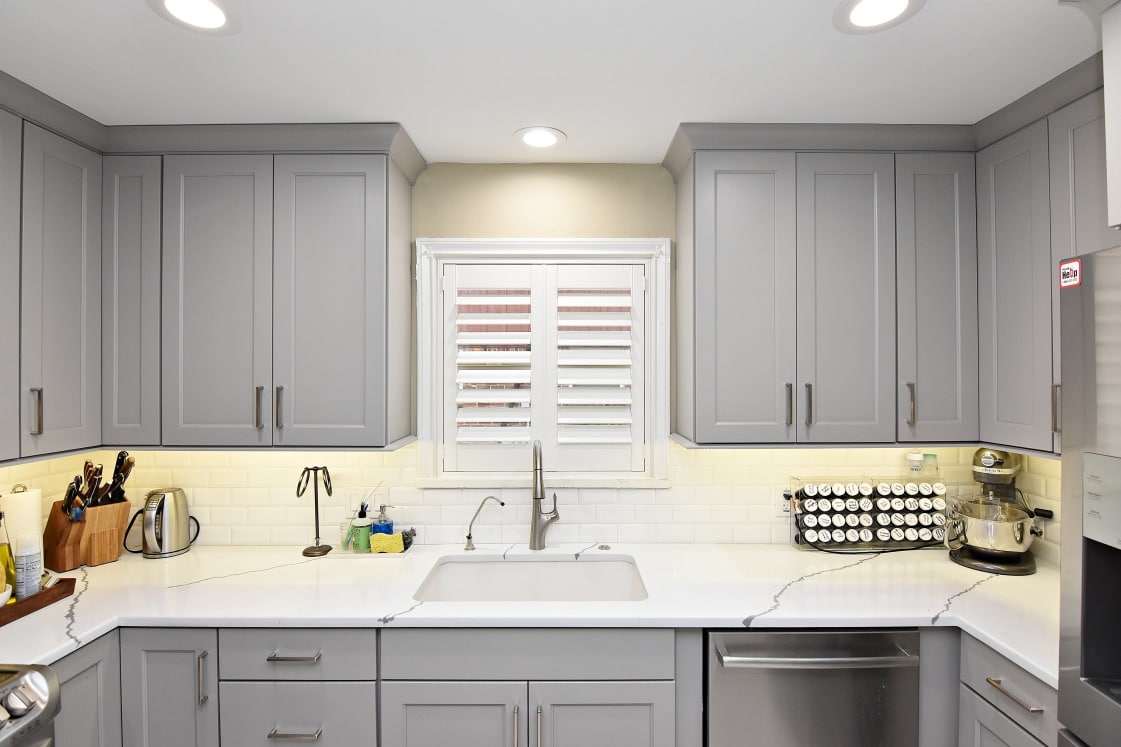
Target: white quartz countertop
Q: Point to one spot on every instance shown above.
(689, 586)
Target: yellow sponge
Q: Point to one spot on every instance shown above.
(387, 542)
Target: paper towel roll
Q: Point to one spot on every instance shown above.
(23, 513)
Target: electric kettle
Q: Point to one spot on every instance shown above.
(166, 523)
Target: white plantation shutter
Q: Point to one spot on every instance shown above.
(554, 352)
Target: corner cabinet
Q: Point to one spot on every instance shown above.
(286, 299)
(936, 257)
(60, 337)
(786, 298)
(10, 158)
(90, 679)
(1016, 397)
(169, 687)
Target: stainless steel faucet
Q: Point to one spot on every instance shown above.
(539, 519)
(470, 527)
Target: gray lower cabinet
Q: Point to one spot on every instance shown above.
(217, 300)
(602, 714)
(1014, 278)
(331, 714)
(470, 714)
(169, 687)
(984, 726)
(1001, 703)
(11, 139)
(936, 298)
(846, 298)
(60, 335)
(91, 695)
(130, 310)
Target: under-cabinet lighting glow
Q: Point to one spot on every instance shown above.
(540, 137)
(868, 16)
(201, 13)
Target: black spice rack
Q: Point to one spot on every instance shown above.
(868, 516)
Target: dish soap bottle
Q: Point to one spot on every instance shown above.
(382, 523)
(7, 561)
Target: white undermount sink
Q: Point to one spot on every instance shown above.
(533, 578)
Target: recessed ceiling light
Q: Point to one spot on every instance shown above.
(203, 16)
(540, 137)
(869, 16)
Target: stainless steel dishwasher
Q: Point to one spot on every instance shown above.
(842, 688)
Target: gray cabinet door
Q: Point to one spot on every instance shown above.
(60, 338)
(329, 310)
(91, 695)
(466, 714)
(130, 311)
(982, 725)
(936, 299)
(602, 714)
(217, 300)
(846, 298)
(169, 687)
(745, 298)
(1014, 279)
(329, 714)
(10, 158)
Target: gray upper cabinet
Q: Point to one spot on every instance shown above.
(169, 687)
(744, 316)
(10, 155)
(329, 300)
(60, 338)
(130, 310)
(846, 298)
(217, 300)
(1014, 275)
(936, 297)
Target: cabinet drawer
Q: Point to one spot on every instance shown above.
(341, 713)
(297, 654)
(988, 673)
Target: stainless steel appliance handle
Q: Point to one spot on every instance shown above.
(37, 394)
(815, 662)
(1056, 392)
(257, 408)
(152, 519)
(202, 696)
(538, 726)
(312, 736)
(809, 404)
(911, 390)
(313, 659)
(789, 403)
(516, 725)
(996, 682)
(276, 407)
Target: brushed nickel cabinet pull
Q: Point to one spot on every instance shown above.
(996, 682)
(789, 403)
(202, 696)
(313, 659)
(1056, 398)
(311, 736)
(911, 388)
(516, 725)
(257, 408)
(538, 726)
(276, 407)
(37, 394)
(809, 404)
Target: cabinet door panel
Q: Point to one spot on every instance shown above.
(1014, 291)
(468, 714)
(130, 317)
(984, 726)
(330, 714)
(91, 695)
(846, 299)
(60, 340)
(169, 687)
(602, 714)
(329, 299)
(937, 297)
(217, 300)
(745, 297)
(10, 397)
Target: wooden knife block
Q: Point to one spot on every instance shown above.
(94, 540)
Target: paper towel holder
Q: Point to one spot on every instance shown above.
(19, 487)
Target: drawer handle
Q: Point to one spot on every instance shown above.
(996, 682)
(296, 736)
(911, 389)
(314, 659)
(37, 395)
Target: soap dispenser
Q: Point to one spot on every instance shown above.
(382, 523)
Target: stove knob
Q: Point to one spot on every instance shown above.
(4, 716)
(18, 702)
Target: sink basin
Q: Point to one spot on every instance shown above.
(532, 578)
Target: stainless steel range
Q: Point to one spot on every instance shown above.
(29, 701)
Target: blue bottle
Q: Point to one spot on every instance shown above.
(382, 523)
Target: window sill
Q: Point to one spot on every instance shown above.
(552, 481)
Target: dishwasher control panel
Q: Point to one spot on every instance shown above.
(867, 516)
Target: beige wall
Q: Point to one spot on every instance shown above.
(457, 200)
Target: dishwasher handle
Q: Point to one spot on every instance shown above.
(899, 659)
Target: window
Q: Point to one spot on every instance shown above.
(565, 342)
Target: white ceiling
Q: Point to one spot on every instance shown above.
(616, 75)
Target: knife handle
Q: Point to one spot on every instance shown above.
(37, 395)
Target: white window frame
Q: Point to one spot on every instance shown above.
(432, 257)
